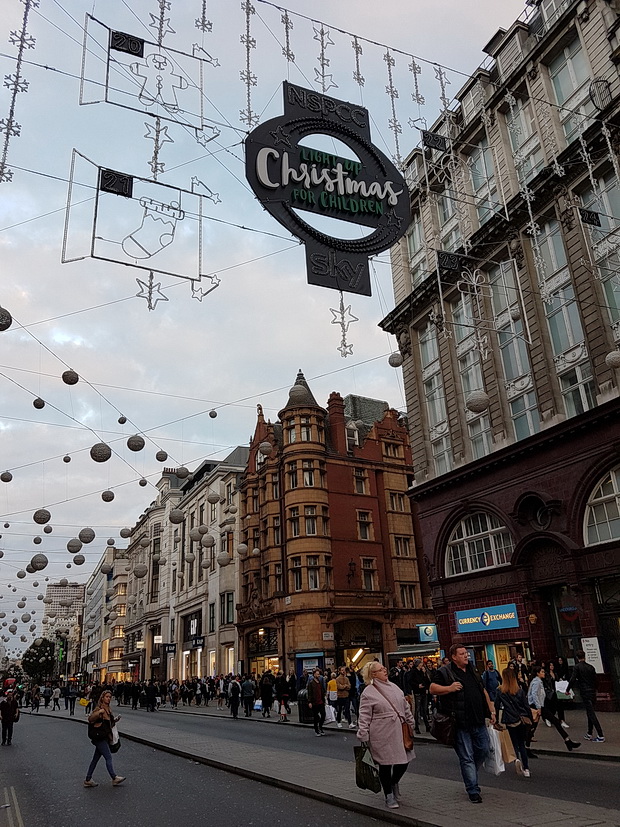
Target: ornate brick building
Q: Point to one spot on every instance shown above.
(329, 572)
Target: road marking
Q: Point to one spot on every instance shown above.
(7, 806)
(20, 821)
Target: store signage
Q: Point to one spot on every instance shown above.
(328, 635)
(428, 632)
(290, 178)
(198, 642)
(592, 649)
(487, 619)
(170, 648)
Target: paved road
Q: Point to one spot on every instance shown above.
(560, 778)
(46, 767)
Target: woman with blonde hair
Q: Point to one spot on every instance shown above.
(100, 723)
(515, 714)
(382, 713)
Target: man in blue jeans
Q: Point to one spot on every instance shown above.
(462, 694)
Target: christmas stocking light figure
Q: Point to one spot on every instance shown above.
(156, 231)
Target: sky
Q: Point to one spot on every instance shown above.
(65, 273)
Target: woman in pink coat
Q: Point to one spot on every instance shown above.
(383, 710)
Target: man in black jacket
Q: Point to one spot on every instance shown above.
(584, 678)
(462, 694)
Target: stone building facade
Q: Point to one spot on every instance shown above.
(507, 319)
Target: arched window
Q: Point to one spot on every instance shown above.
(479, 541)
(602, 518)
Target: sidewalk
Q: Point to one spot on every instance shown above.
(329, 780)
(548, 741)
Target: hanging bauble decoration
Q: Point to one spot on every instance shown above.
(35, 583)
(242, 549)
(90, 625)
(125, 533)
(107, 496)
(39, 562)
(29, 569)
(111, 541)
(477, 402)
(70, 377)
(63, 582)
(21, 604)
(74, 545)
(190, 557)
(140, 570)
(65, 602)
(100, 452)
(223, 558)
(297, 394)
(12, 628)
(122, 420)
(47, 600)
(106, 568)
(213, 414)
(37, 540)
(6, 476)
(194, 534)
(213, 498)
(515, 313)
(207, 540)
(113, 615)
(232, 509)
(142, 482)
(176, 516)
(47, 529)
(110, 592)
(161, 456)
(38, 403)
(256, 552)
(395, 359)
(203, 529)
(66, 458)
(6, 320)
(41, 516)
(7, 525)
(265, 448)
(79, 559)
(145, 542)
(86, 535)
(135, 443)
(612, 360)
(21, 574)
(204, 564)
(162, 561)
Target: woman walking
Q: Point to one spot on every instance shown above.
(100, 722)
(536, 700)
(514, 713)
(382, 713)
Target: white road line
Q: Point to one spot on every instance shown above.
(20, 821)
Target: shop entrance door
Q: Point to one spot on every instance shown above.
(566, 618)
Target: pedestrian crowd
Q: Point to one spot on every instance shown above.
(450, 698)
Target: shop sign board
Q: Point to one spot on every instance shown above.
(428, 632)
(590, 646)
(170, 648)
(292, 179)
(487, 618)
(198, 642)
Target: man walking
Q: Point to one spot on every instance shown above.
(584, 678)
(462, 694)
(491, 680)
(316, 701)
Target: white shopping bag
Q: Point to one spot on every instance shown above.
(330, 715)
(494, 763)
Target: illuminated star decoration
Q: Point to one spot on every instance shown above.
(206, 134)
(207, 192)
(201, 22)
(326, 80)
(280, 136)
(214, 61)
(198, 293)
(344, 318)
(151, 292)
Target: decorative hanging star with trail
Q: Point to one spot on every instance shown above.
(344, 318)
(323, 36)
(198, 292)
(151, 291)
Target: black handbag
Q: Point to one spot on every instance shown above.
(366, 775)
(115, 747)
(443, 728)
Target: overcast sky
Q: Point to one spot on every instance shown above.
(244, 342)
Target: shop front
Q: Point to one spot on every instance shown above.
(262, 650)
(191, 659)
(358, 642)
(497, 633)
(419, 642)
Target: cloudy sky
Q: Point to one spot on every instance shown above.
(166, 369)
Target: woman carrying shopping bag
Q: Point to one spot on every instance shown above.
(100, 723)
(384, 716)
(514, 713)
